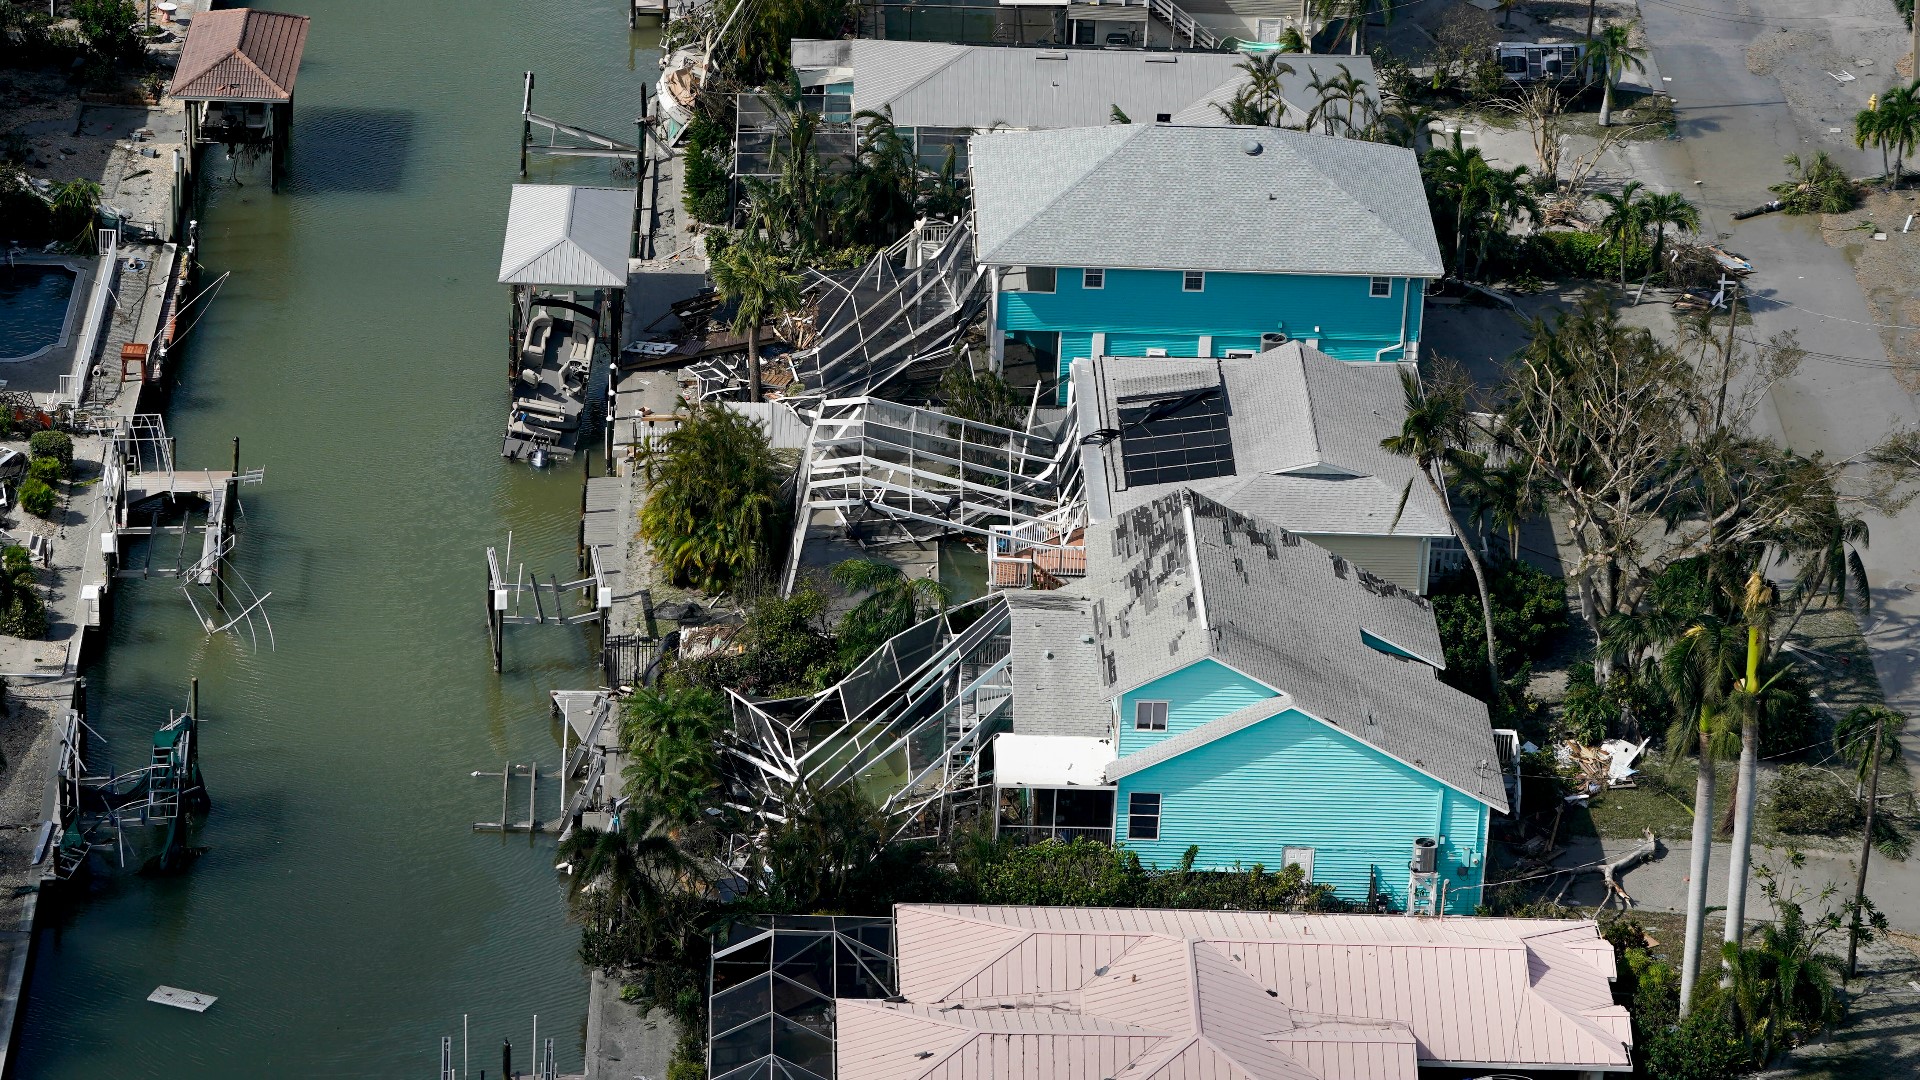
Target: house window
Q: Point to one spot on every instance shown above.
(1298, 856)
(1381, 287)
(1149, 716)
(1143, 816)
(1193, 281)
(1040, 279)
(1093, 277)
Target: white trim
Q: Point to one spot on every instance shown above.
(1100, 270)
(1373, 286)
(1184, 274)
(1553, 1066)
(1117, 694)
(1193, 566)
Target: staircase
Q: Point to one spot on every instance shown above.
(163, 784)
(1184, 25)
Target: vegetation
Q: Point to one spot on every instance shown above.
(1893, 126)
(76, 207)
(1529, 613)
(1437, 428)
(1473, 204)
(23, 611)
(109, 29)
(57, 445)
(759, 282)
(893, 602)
(1818, 186)
(38, 498)
(708, 172)
(1610, 54)
(710, 515)
(668, 732)
(782, 649)
(981, 396)
(1084, 873)
(1811, 802)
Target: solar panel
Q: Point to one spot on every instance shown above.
(1174, 440)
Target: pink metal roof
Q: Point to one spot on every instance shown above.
(1200, 995)
(241, 54)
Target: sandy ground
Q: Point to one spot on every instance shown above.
(1888, 271)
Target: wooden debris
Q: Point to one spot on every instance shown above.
(1610, 871)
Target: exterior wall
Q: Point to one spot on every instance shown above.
(1400, 559)
(1197, 694)
(1293, 781)
(1142, 309)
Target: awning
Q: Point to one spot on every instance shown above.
(568, 236)
(1050, 760)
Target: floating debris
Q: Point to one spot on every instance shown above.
(182, 999)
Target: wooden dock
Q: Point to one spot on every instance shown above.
(649, 9)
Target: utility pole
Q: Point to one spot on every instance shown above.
(1732, 289)
(1866, 845)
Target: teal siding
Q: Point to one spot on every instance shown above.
(1142, 309)
(1292, 780)
(1197, 694)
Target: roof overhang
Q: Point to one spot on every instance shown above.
(1050, 760)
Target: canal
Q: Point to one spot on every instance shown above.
(342, 911)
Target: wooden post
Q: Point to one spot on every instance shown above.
(526, 122)
(193, 697)
(506, 774)
(533, 790)
(495, 627)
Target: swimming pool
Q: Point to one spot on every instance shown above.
(33, 308)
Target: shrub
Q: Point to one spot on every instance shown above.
(1703, 1047)
(784, 649)
(1626, 706)
(108, 26)
(983, 397)
(1792, 722)
(57, 445)
(707, 175)
(711, 515)
(1085, 873)
(1811, 801)
(48, 471)
(1529, 611)
(37, 498)
(1571, 254)
(26, 615)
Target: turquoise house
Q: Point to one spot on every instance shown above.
(1225, 684)
(1199, 241)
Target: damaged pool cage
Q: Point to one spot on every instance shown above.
(910, 728)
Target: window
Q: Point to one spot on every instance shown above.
(1040, 278)
(1163, 118)
(1298, 856)
(1149, 716)
(1177, 439)
(1143, 816)
(1380, 286)
(1237, 354)
(1193, 281)
(1093, 277)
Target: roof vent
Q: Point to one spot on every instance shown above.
(1252, 147)
(1050, 56)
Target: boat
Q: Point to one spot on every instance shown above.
(552, 384)
(678, 89)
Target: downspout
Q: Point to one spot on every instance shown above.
(1406, 304)
(997, 341)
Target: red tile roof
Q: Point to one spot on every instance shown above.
(241, 54)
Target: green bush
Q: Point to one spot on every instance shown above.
(1572, 254)
(108, 26)
(1085, 873)
(1626, 707)
(712, 515)
(37, 498)
(1703, 1047)
(48, 471)
(26, 615)
(1529, 611)
(1792, 722)
(708, 175)
(1811, 801)
(57, 445)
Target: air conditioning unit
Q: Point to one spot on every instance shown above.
(1273, 340)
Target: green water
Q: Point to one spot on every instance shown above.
(344, 913)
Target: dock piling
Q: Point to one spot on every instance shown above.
(526, 122)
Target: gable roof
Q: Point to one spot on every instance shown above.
(1183, 578)
(1306, 432)
(1164, 196)
(240, 54)
(560, 235)
(1102, 992)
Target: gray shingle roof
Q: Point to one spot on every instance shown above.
(935, 84)
(1162, 196)
(1056, 669)
(1183, 578)
(1306, 432)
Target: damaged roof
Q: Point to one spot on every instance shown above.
(1306, 432)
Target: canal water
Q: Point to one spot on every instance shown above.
(343, 912)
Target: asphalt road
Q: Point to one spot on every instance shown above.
(1735, 126)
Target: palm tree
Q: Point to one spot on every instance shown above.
(1343, 88)
(1506, 13)
(1480, 199)
(1437, 429)
(1661, 210)
(1694, 676)
(1353, 16)
(756, 279)
(1781, 992)
(1748, 701)
(1898, 123)
(1868, 736)
(1869, 129)
(1610, 54)
(1504, 493)
(1407, 122)
(893, 603)
(1245, 109)
(1827, 544)
(636, 864)
(1818, 186)
(1623, 225)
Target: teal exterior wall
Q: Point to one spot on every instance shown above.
(1142, 309)
(1293, 781)
(1197, 694)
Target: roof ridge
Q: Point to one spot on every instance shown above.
(1317, 165)
(955, 52)
(1025, 937)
